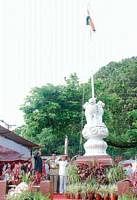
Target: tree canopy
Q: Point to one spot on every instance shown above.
(116, 85)
(51, 112)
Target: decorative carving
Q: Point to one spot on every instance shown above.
(95, 130)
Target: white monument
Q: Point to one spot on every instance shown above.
(94, 130)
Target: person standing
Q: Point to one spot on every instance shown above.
(7, 173)
(45, 169)
(38, 166)
(62, 173)
(54, 172)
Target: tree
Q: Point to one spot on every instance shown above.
(52, 112)
(116, 85)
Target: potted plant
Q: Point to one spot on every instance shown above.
(98, 195)
(72, 173)
(74, 191)
(25, 178)
(91, 188)
(113, 192)
(83, 192)
(115, 174)
(29, 196)
(78, 190)
(69, 192)
(127, 197)
(104, 190)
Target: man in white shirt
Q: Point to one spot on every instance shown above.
(62, 173)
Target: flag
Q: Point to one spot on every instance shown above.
(89, 22)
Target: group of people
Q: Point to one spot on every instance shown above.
(58, 173)
(13, 172)
(53, 168)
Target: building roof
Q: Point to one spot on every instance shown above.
(7, 154)
(4, 132)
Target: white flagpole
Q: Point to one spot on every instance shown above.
(92, 77)
(92, 86)
(66, 146)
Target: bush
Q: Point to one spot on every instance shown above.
(115, 174)
(72, 173)
(92, 173)
(127, 197)
(28, 196)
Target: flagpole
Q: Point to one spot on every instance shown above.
(66, 146)
(90, 37)
(88, 22)
(92, 86)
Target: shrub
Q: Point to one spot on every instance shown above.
(115, 173)
(127, 197)
(92, 173)
(28, 196)
(72, 173)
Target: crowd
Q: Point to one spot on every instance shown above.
(37, 169)
(53, 169)
(13, 171)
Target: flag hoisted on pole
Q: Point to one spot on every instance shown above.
(90, 22)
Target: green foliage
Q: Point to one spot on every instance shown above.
(51, 112)
(72, 172)
(115, 174)
(127, 197)
(84, 187)
(116, 86)
(26, 178)
(75, 188)
(28, 196)
(107, 189)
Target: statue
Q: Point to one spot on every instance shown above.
(90, 110)
(94, 112)
(99, 112)
(94, 130)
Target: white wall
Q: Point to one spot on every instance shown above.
(15, 146)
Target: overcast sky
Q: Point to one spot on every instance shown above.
(43, 41)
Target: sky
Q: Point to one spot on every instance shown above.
(43, 41)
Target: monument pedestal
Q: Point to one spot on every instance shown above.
(104, 160)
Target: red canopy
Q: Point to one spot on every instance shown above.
(7, 154)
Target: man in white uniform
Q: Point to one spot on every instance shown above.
(62, 173)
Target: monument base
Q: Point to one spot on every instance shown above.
(104, 160)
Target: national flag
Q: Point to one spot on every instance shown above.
(89, 22)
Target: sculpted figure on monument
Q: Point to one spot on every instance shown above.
(94, 130)
(99, 112)
(94, 112)
(90, 111)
